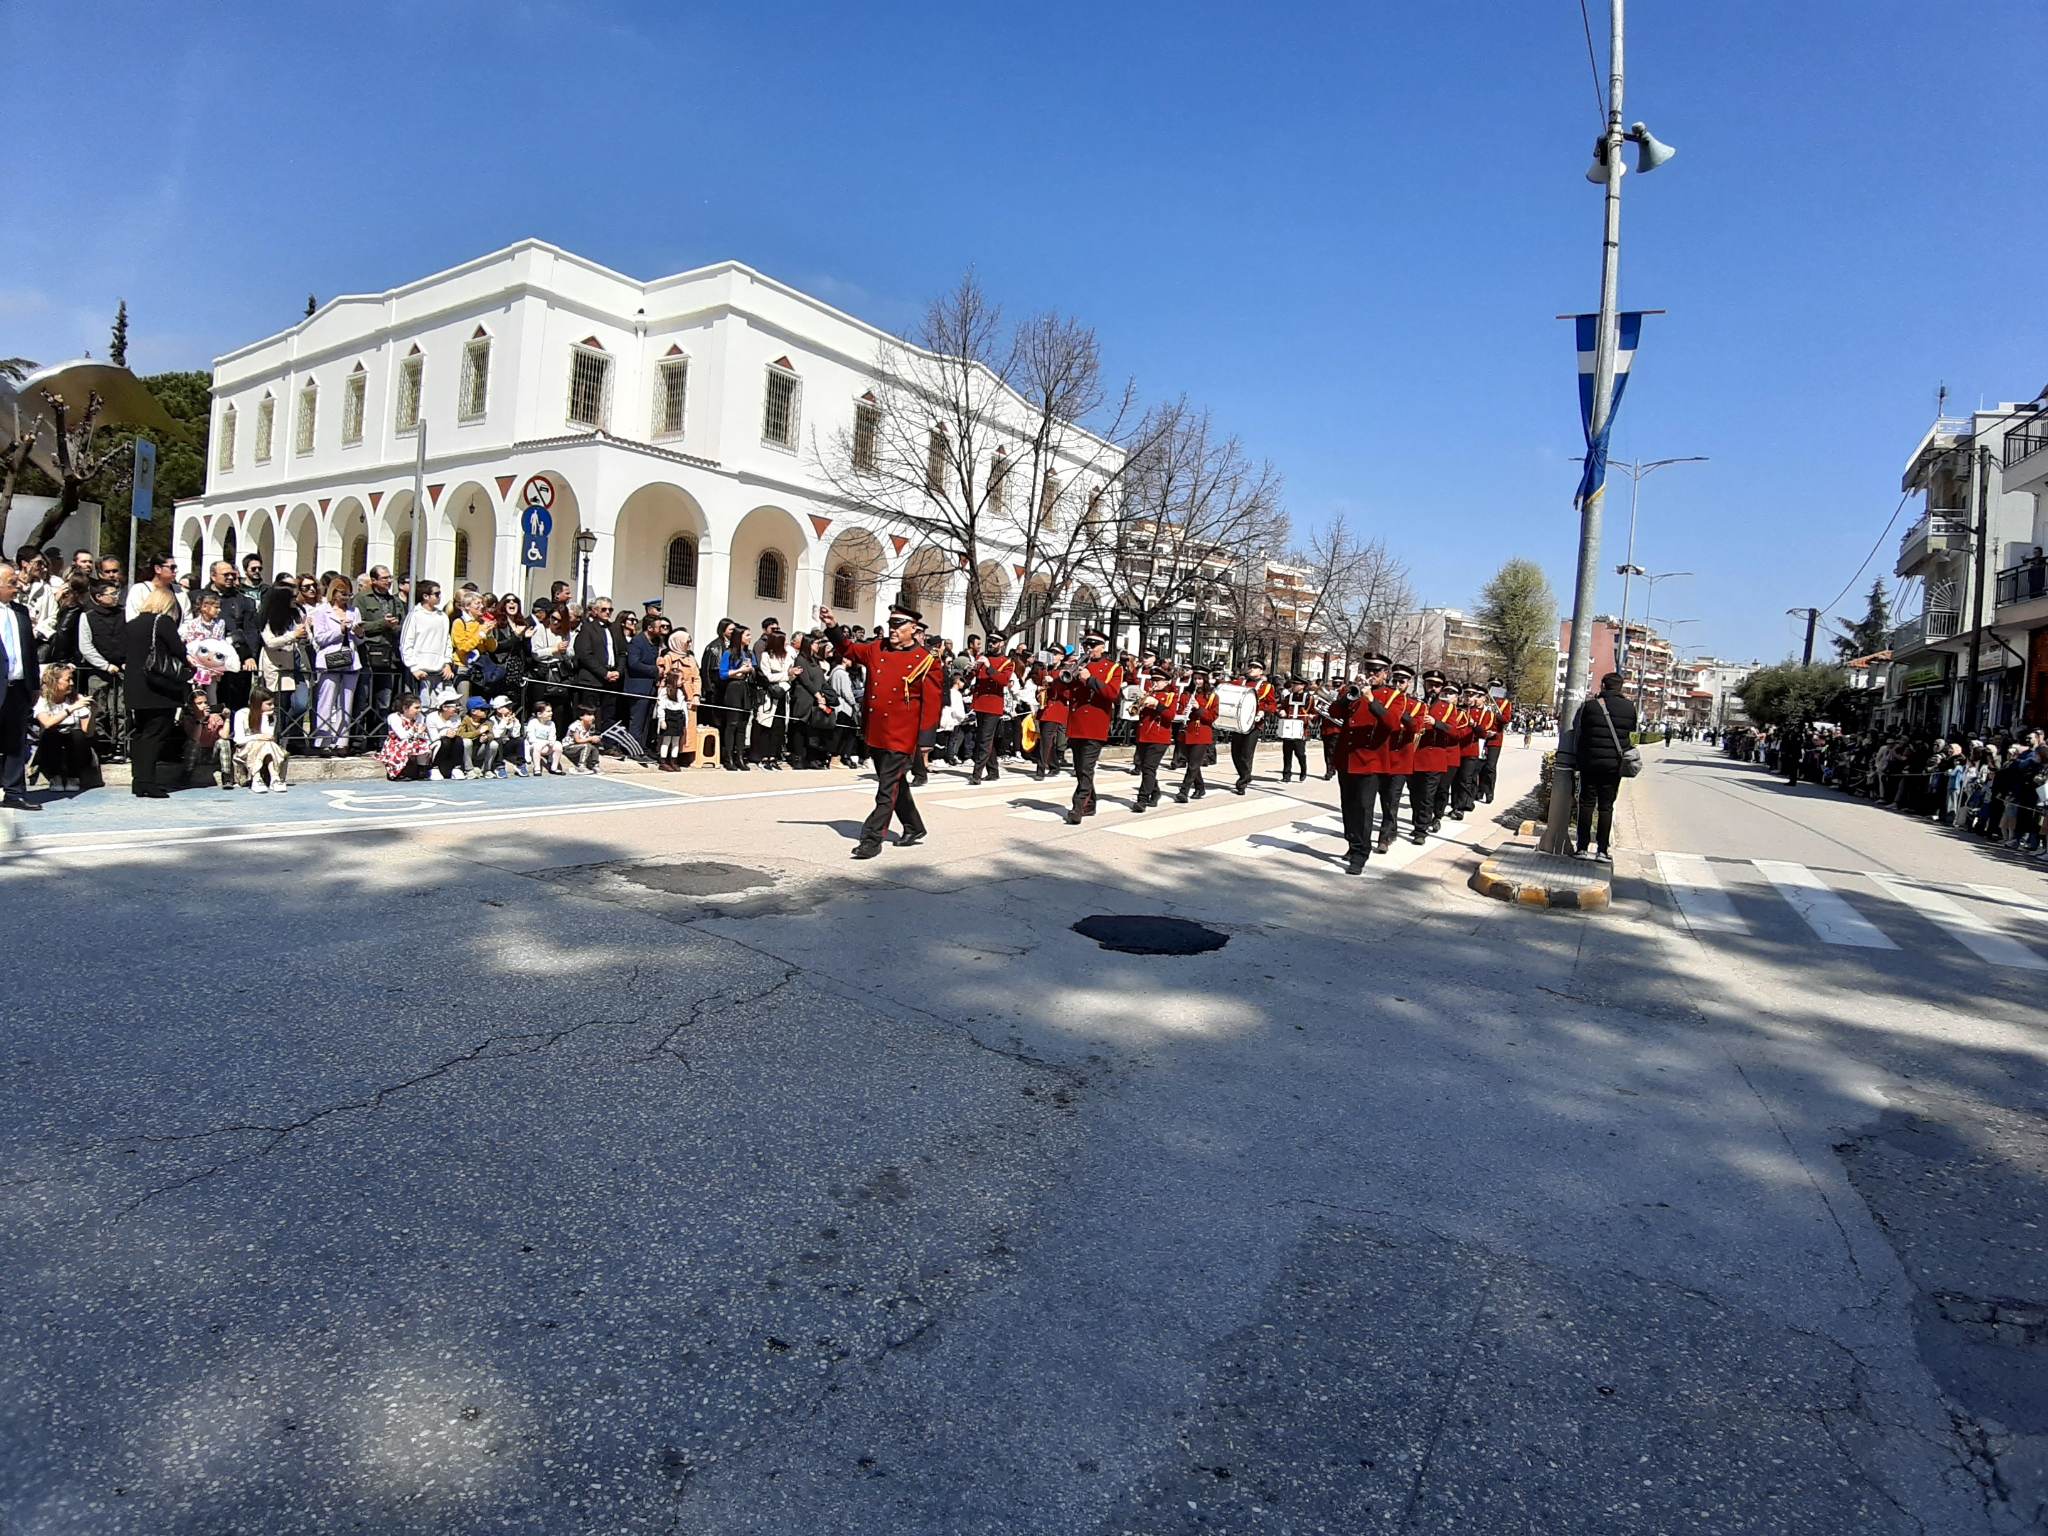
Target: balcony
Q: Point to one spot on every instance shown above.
(1918, 634)
(2026, 455)
(2023, 583)
(1940, 531)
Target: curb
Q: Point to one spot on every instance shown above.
(1489, 880)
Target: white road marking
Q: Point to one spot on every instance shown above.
(2013, 901)
(1215, 816)
(1697, 889)
(1255, 844)
(1962, 925)
(1831, 918)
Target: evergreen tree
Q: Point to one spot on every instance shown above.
(1519, 615)
(117, 349)
(1868, 633)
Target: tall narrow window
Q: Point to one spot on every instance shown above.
(352, 406)
(779, 406)
(410, 378)
(867, 436)
(768, 576)
(1049, 501)
(845, 588)
(461, 554)
(671, 393)
(358, 555)
(309, 406)
(590, 386)
(935, 456)
(999, 479)
(475, 393)
(226, 457)
(266, 420)
(682, 561)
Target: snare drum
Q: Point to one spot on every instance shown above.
(1293, 730)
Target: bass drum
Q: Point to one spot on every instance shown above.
(1237, 709)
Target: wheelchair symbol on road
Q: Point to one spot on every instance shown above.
(357, 801)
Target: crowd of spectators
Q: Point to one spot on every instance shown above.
(1995, 787)
(228, 678)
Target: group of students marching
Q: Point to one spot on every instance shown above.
(1379, 731)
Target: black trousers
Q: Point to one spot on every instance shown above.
(1084, 754)
(987, 735)
(1293, 754)
(16, 707)
(1150, 755)
(892, 797)
(1465, 784)
(1425, 799)
(1357, 795)
(731, 724)
(1198, 757)
(150, 733)
(1052, 747)
(1596, 795)
(1329, 757)
(1244, 751)
(1489, 771)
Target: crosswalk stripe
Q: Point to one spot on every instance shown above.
(1831, 918)
(2013, 901)
(1962, 925)
(960, 792)
(1699, 894)
(1215, 816)
(1287, 835)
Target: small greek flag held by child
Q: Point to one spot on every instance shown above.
(618, 736)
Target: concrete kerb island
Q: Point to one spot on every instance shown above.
(1522, 873)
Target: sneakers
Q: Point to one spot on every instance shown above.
(458, 773)
(278, 786)
(436, 773)
(258, 787)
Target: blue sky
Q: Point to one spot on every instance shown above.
(1345, 228)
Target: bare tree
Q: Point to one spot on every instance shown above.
(981, 439)
(78, 459)
(1331, 566)
(1370, 604)
(1190, 510)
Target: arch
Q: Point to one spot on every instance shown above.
(299, 540)
(187, 540)
(216, 542)
(854, 571)
(990, 588)
(351, 525)
(1034, 612)
(562, 564)
(1083, 613)
(767, 530)
(771, 575)
(259, 531)
(465, 541)
(392, 541)
(927, 582)
(658, 551)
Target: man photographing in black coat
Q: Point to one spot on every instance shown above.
(21, 676)
(1604, 725)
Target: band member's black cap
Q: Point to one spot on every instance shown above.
(904, 616)
(1094, 637)
(1494, 682)
(1434, 676)
(1372, 663)
(1402, 669)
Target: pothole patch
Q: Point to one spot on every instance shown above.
(1150, 934)
(698, 877)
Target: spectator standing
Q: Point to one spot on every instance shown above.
(101, 642)
(156, 693)
(1602, 739)
(331, 627)
(163, 576)
(471, 635)
(20, 678)
(848, 691)
(810, 709)
(598, 658)
(771, 694)
(424, 648)
(281, 669)
(380, 623)
(643, 665)
(735, 697)
(241, 626)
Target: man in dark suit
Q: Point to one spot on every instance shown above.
(599, 658)
(21, 677)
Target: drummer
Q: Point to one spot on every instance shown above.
(1244, 745)
(1294, 709)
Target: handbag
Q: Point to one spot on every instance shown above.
(165, 669)
(1631, 758)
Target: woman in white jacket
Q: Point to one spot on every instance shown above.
(424, 649)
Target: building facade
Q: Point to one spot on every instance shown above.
(1650, 673)
(673, 425)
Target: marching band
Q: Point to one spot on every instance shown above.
(1383, 729)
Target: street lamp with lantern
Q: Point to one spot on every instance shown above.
(586, 544)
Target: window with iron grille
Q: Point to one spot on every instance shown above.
(845, 587)
(226, 460)
(352, 407)
(768, 576)
(935, 459)
(410, 373)
(671, 393)
(867, 436)
(358, 554)
(778, 413)
(266, 418)
(590, 388)
(309, 405)
(476, 379)
(998, 479)
(682, 561)
(1049, 500)
(461, 555)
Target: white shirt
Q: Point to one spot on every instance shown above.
(539, 732)
(13, 642)
(41, 598)
(141, 589)
(423, 642)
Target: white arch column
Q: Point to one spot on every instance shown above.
(807, 584)
(209, 542)
(327, 550)
(381, 546)
(714, 573)
(507, 574)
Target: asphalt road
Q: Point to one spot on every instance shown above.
(627, 1160)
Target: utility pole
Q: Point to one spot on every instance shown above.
(1980, 492)
(1812, 618)
(1585, 590)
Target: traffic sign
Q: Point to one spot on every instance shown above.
(535, 553)
(143, 502)
(536, 521)
(539, 491)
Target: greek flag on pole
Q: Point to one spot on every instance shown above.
(1588, 328)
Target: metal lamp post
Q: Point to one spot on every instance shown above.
(1636, 469)
(1650, 581)
(586, 543)
(1664, 690)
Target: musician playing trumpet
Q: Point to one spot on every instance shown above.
(1197, 713)
(1373, 747)
(1157, 707)
(1092, 689)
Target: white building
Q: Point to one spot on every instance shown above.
(678, 420)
